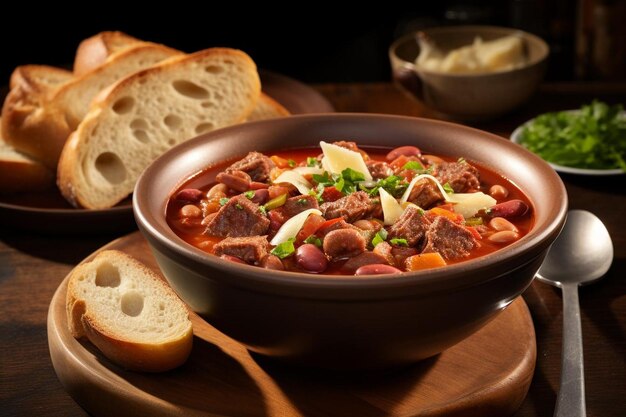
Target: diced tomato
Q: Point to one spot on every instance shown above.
(310, 226)
(329, 223)
(331, 194)
(401, 161)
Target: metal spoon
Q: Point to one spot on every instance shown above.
(582, 253)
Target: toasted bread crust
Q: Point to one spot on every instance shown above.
(95, 50)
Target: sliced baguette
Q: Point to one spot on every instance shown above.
(267, 108)
(39, 80)
(19, 173)
(129, 313)
(40, 129)
(147, 113)
(94, 51)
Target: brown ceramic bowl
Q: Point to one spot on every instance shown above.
(349, 321)
(468, 96)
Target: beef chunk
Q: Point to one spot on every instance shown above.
(461, 176)
(379, 169)
(425, 193)
(351, 207)
(449, 239)
(365, 258)
(343, 243)
(238, 217)
(384, 249)
(412, 226)
(249, 249)
(399, 255)
(255, 164)
(298, 204)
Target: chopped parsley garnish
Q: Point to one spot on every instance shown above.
(284, 249)
(393, 184)
(223, 201)
(263, 210)
(380, 237)
(461, 160)
(314, 240)
(592, 138)
(414, 165)
(317, 192)
(249, 195)
(239, 206)
(291, 163)
(311, 161)
(448, 188)
(345, 183)
(399, 241)
(302, 201)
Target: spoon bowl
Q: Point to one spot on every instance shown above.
(581, 254)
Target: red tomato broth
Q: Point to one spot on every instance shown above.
(205, 180)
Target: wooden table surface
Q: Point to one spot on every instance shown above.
(32, 267)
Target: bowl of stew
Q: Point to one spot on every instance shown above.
(349, 240)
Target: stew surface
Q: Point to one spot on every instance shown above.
(348, 211)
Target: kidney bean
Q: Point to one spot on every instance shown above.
(190, 211)
(255, 185)
(367, 225)
(508, 209)
(432, 159)
(500, 223)
(377, 269)
(232, 259)
(190, 195)
(272, 262)
(498, 192)
(216, 192)
(403, 150)
(504, 236)
(260, 196)
(235, 180)
(310, 258)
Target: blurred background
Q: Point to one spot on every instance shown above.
(316, 43)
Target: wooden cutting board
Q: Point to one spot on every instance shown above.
(487, 374)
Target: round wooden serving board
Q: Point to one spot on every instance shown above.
(487, 374)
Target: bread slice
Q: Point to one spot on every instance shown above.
(94, 51)
(40, 128)
(267, 108)
(149, 112)
(39, 80)
(129, 313)
(19, 173)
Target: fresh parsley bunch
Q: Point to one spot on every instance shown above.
(594, 138)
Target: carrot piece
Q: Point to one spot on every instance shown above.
(424, 261)
(280, 162)
(438, 211)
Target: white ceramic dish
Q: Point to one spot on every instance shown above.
(516, 137)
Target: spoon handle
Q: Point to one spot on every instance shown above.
(571, 399)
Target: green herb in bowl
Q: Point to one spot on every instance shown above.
(593, 137)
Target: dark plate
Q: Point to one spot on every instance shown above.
(49, 213)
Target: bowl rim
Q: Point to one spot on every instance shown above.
(165, 240)
(443, 29)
